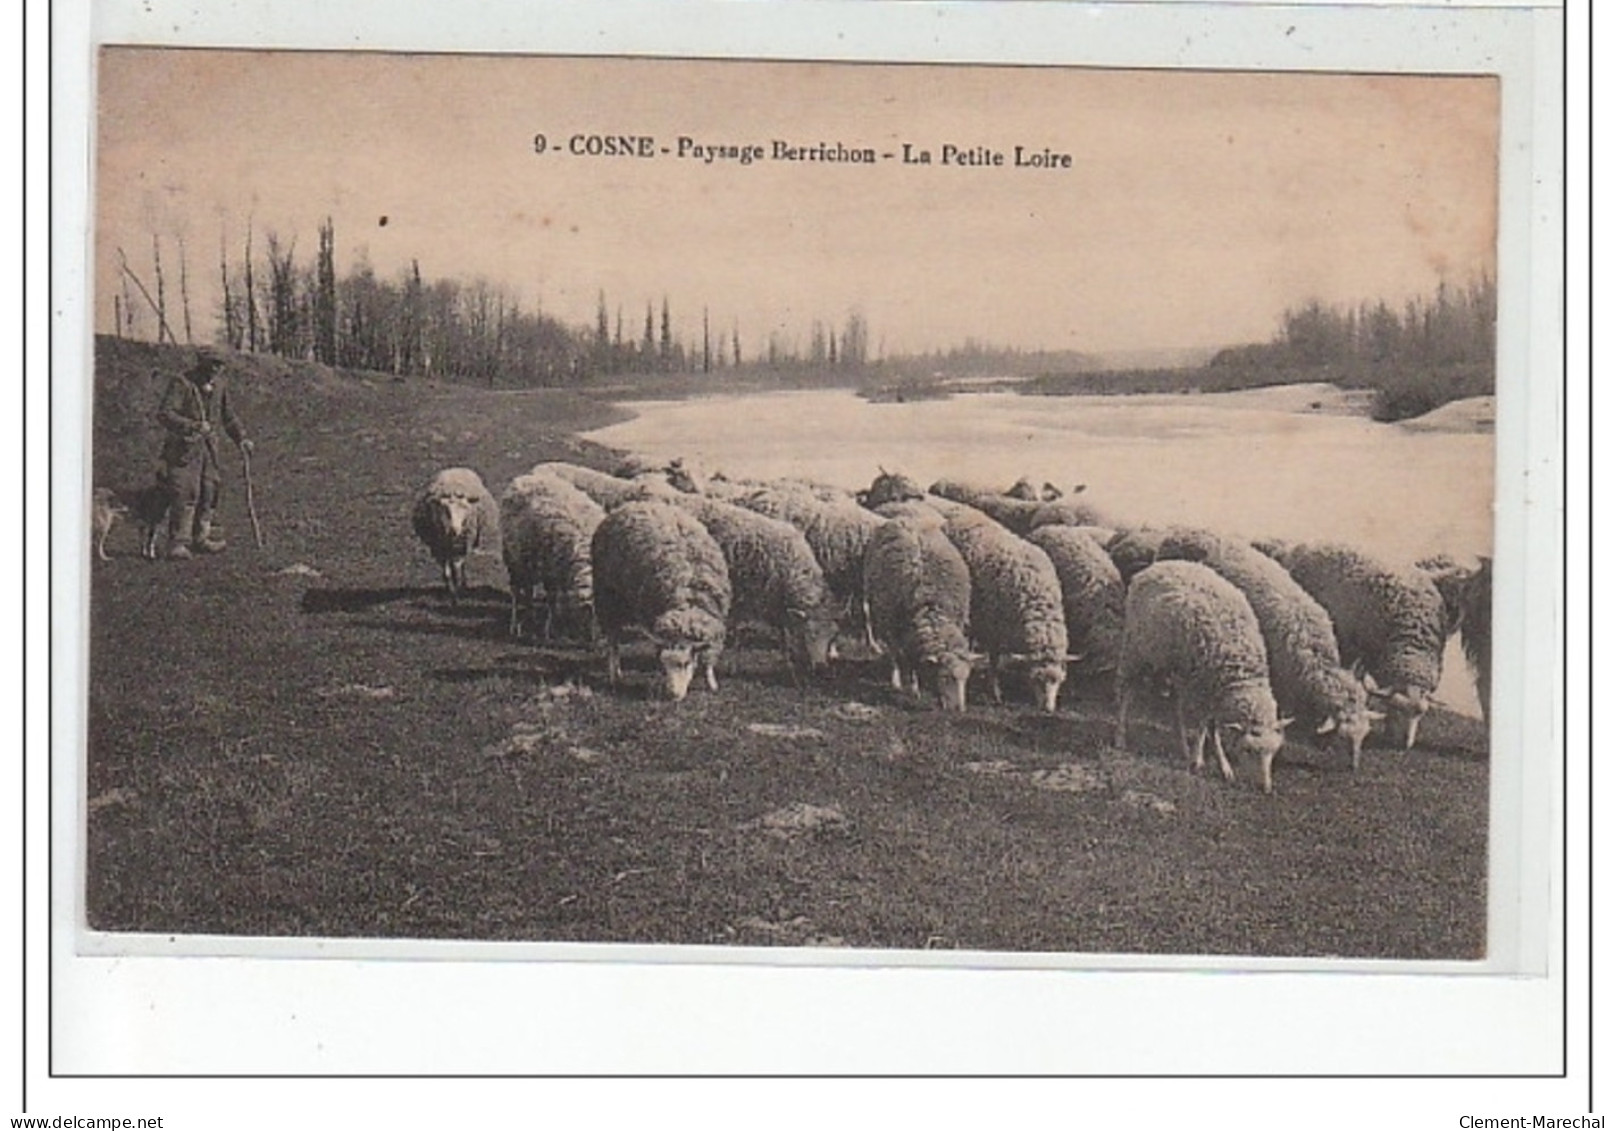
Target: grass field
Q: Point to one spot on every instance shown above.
(311, 740)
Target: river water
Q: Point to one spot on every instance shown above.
(1290, 462)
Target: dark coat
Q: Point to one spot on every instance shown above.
(185, 407)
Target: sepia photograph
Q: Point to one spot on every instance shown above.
(821, 507)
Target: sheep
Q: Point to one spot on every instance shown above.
(1093, 593)
(1475, 632)
(1303, 657)
(546, 526)
(1017, 610)
(1068, 511)
(890, 487)
(688, 476)
(1016, 514)
(1048, 493)
(633, 465)
(609, 490)
(1024, 515)
(919, 605)
(915, 510)
(657, 570)
(838, 532)
(1133, 549)
(774, 577)
(1390, 622)
(1466, 591)
(1190, 628)
(452, 514)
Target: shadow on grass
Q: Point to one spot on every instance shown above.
(472, 603)
(490, 629)
(529, 668)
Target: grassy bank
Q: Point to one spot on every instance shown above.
(310, 740)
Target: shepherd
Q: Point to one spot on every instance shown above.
(195, 405)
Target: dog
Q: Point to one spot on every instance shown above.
(147, 506)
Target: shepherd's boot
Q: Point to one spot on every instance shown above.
(179, 520)
(204, 542)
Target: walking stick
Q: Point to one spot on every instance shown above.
(252, 511)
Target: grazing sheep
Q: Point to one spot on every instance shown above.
(546, 525)
(452, 513)
(919, 605)
(610, 491)
(1391, 621)
(1017, 610)
(1188, 627)
(838, 532)
(1303, 657)
(657, 570)
(1093, 593)
(774, 577)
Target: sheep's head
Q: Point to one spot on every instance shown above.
(1023, 489)
(456, 513)
(808, 637)
(686, 476)
(1351, 720)
(947, 675)
(1046, 676)
(1258, 743)
(678, 668)
(1404, 708)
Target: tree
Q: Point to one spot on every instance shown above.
(706, 342)
(667, 337)
(325, 297)
(184, 291)
(232, 324)
(157, 268)
(248, 295)
(280, 310)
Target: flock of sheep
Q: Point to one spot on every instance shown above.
(1246, 639)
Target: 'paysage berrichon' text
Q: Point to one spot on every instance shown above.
(685, 148)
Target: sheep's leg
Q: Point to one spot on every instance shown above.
(613, 660)
(1222, 757)
(710, 667)
(1195, 756)
(993, 685)
(1123, 694)
(897, 673)
(1413, 731)
(551, 601)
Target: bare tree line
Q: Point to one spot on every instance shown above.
(451, 329)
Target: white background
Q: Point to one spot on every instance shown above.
(191, 1015)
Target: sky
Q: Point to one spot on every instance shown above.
(1196, 208)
